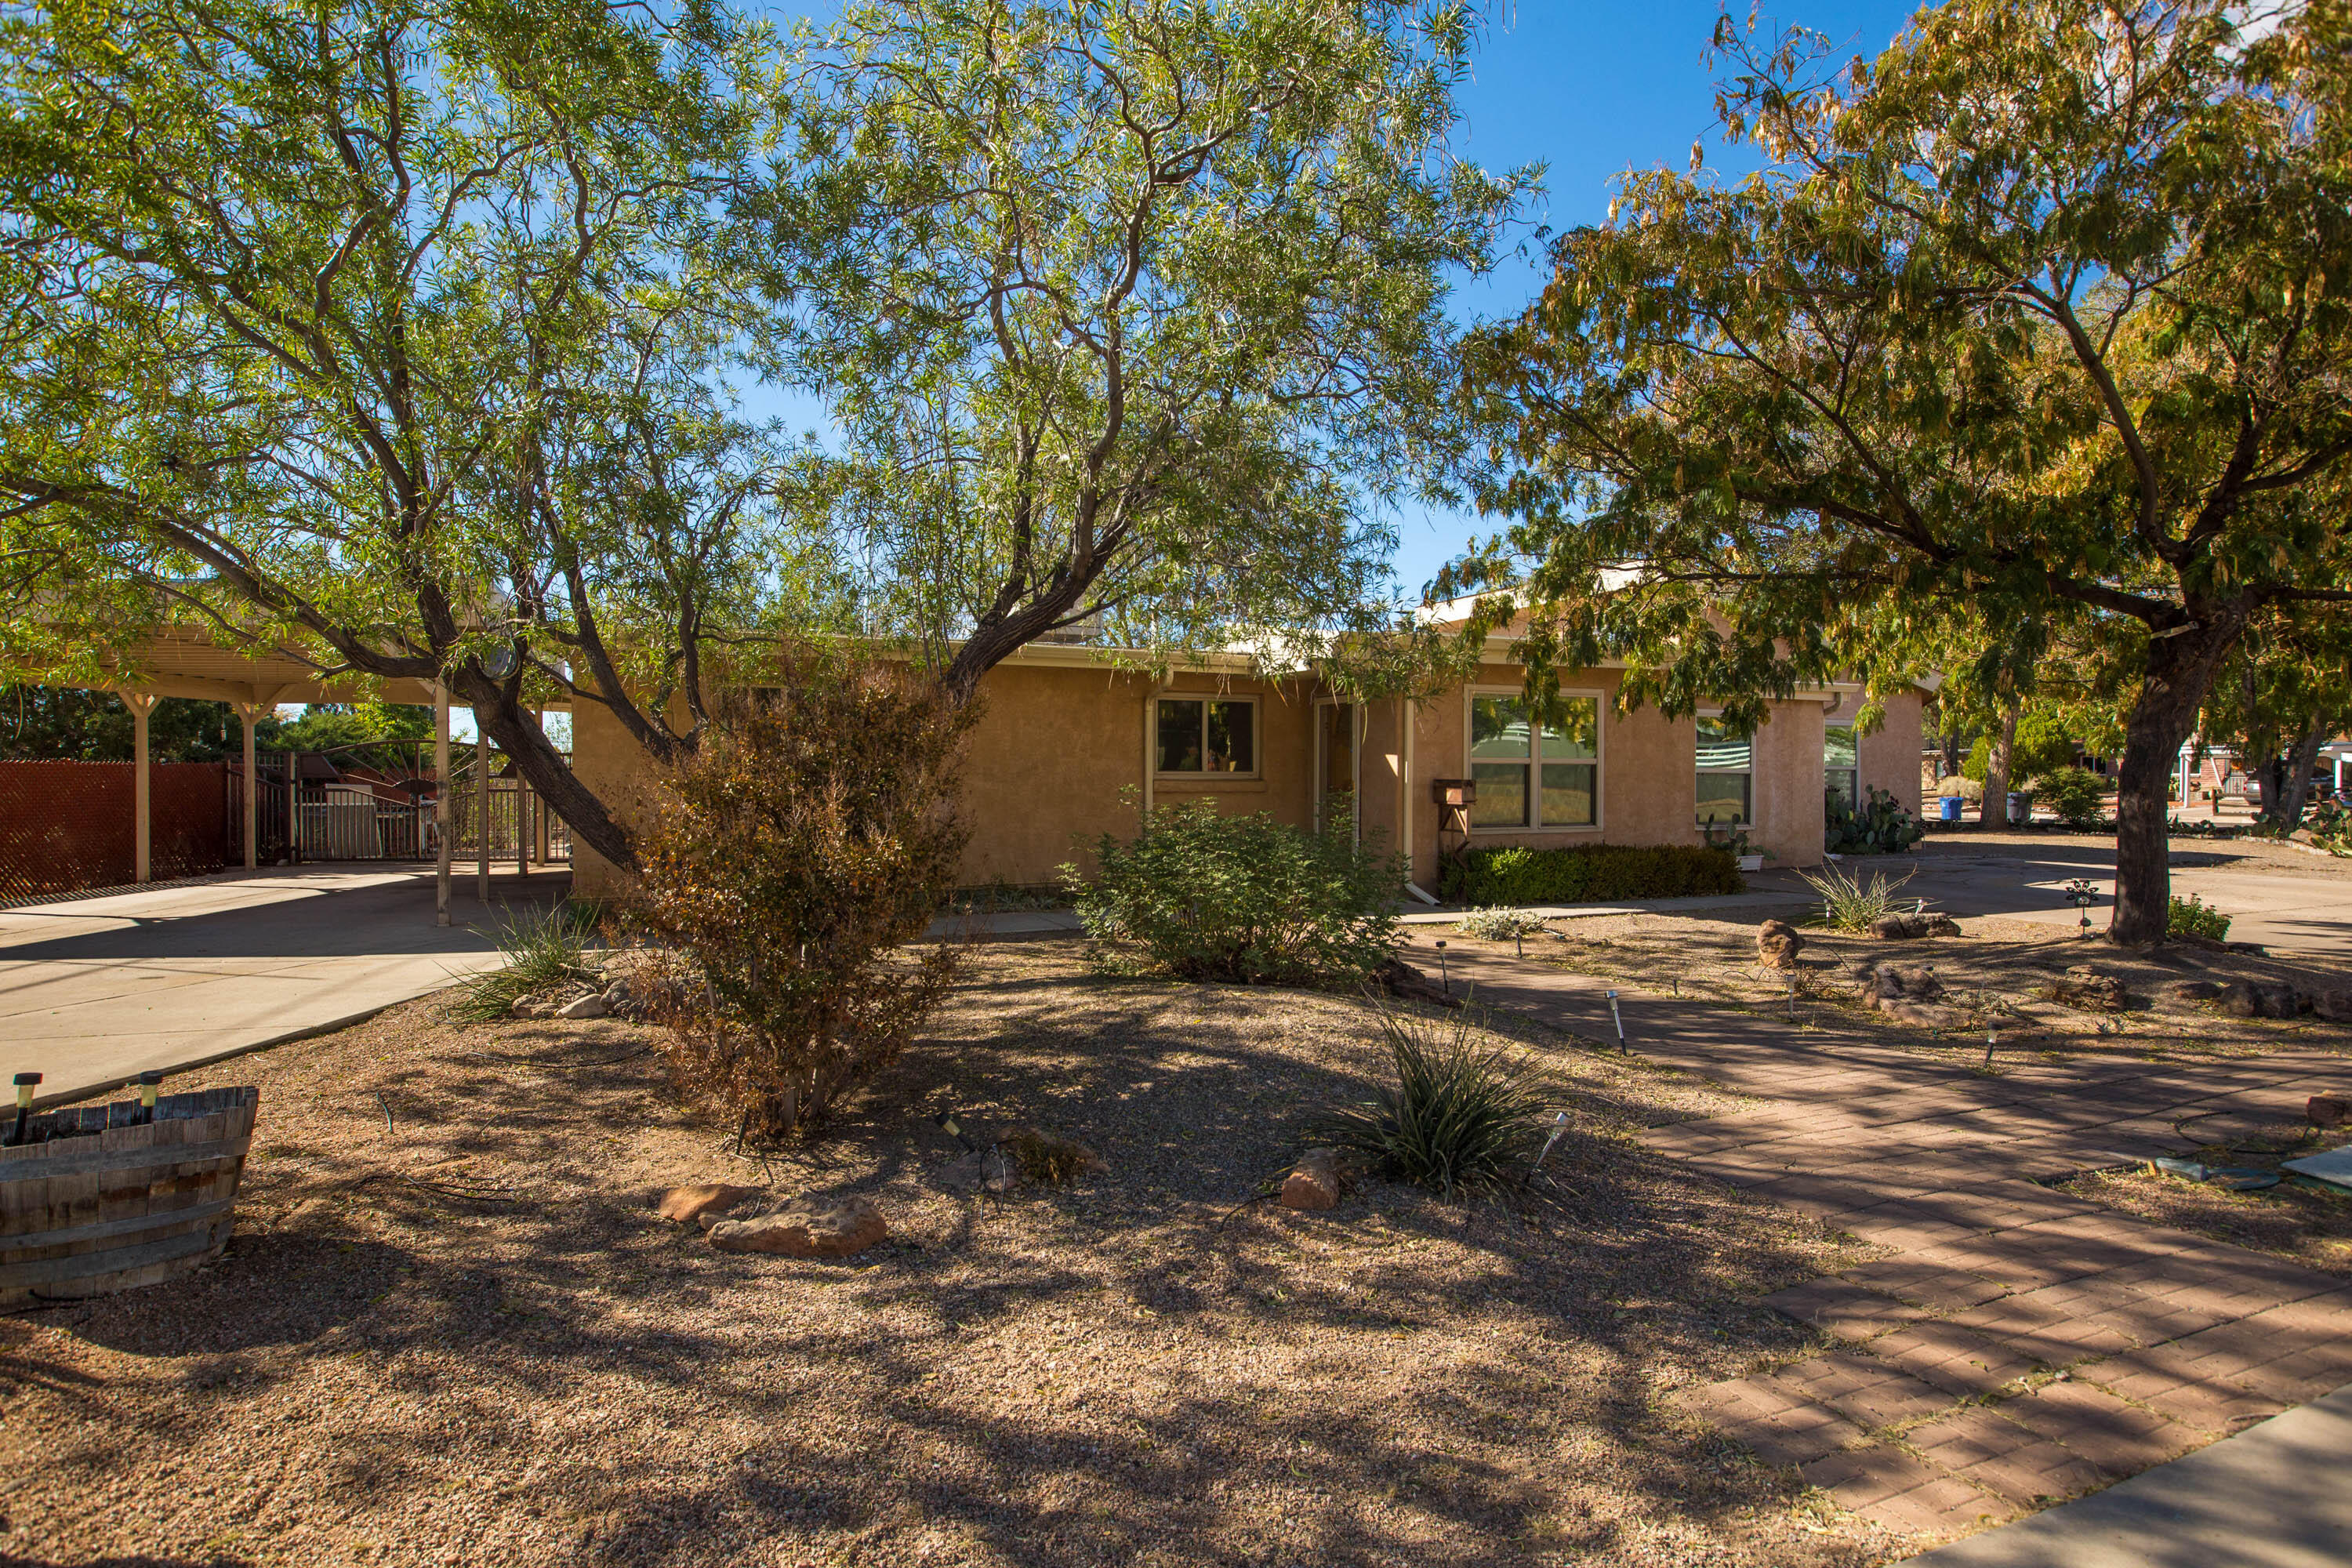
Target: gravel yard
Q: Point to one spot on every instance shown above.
(450, 1330)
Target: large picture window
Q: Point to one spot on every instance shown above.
(1727, 773)
(1207, 735)
(1535, 775)
(1842, 764)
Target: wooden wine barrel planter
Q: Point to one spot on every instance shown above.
(91, 1203)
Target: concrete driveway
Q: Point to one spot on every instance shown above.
(2273, 903)
(96, 991)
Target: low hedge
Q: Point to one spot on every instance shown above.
(1587, 874)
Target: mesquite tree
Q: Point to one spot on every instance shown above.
(2039, 318)
(1130, 312)
(375, 334)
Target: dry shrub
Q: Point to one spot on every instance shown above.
(802, 849)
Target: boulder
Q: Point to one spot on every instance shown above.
(994, 1168)
(530, 1007)
(588, 1006)
(2093, 990)
(2335, 1006)
(2260, 999)
(1401, 980)
(1907, 993)
(683, 1206)
(1314, 1183)
(2191, 990)
(807, 1230)
(2328, 1110)
(1777, 945)
(1911, 927)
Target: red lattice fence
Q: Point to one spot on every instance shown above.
(69, 825)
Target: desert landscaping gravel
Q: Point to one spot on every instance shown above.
(451, 1330)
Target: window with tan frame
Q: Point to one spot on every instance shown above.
(1205, 737)
(1534, 776)
(1727, 775)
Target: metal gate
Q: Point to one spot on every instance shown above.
(376, 802)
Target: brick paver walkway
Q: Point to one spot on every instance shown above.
(2025, 1345)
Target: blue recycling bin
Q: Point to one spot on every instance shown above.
(1951, 805)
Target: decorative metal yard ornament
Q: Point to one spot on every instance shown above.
(1619, 1019)
(2081, 894)
(25, 1082)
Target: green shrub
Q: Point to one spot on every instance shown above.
(2073, 794)
(1459, 1119)
(2191, 916)
(1205, 896)
(1590, 874)
(799, 853)
(543, 948)
(1848, 903)
(1500, 925)
(1881, 827)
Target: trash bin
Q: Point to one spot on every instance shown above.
(2021, 806)
(1951, 805)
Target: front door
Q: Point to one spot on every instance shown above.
(1335, 762)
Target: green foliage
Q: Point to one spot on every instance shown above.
(1205, 896)
(1500, 924)
(2191, 916)
(797, 857)
(1125, 310)
(2042, 747)
(2073, 794)
(1851, 904)
(1881, 827)
(64, 724)
(543, 948)
(1460, 1120)
(2005, 341)
(1589, 874)
(326, 726)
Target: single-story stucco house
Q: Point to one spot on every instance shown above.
(1069, 747)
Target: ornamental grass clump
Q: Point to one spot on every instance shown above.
(543, 948)
(1460, 1120)
(1851, 904)
(1203, 896)
(801, 851)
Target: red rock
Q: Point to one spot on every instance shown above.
(687, 1205)
(807, 1230)
(1314, 1183)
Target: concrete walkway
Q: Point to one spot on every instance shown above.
(96, 991)
(2271, 1497)
(2022, 1345)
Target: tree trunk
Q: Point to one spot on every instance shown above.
(502, 716)
(1993, 810)
(2294, 794)
(2179, 672)
(1951, 753)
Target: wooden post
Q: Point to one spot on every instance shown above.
(482, 800)
(441, 802)
(142, 797)
(249, 714)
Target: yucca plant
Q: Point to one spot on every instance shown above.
(1848, 903)
(1460, 1120)
(543, 948)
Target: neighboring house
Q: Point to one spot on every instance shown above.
(1067, 748)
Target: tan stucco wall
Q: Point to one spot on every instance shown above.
(1059, 754)
(1889, 757)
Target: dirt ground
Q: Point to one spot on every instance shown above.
(2189, 851)
(1997, 972)
(450, 1330)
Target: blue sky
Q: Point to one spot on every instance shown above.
(1591, 90)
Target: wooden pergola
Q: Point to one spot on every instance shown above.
(183, 664)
